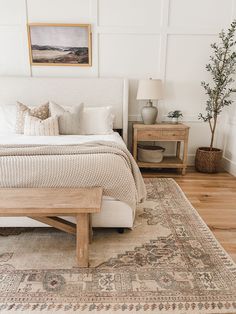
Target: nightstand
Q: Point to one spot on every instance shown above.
(166, 132)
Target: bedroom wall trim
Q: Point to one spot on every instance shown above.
(229, 166)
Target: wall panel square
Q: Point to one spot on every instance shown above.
(200, 13)
(187, 56)
(130, 13)
(12, 12)
(14, 58)
(59, 11)
(129, 55)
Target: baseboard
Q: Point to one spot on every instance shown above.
(191, 159)
(229, 166)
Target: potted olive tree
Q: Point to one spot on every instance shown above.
(222, 67)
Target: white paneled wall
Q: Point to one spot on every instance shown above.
(167, 39)
(130, 13)
(229, 139)
(186, 59)
(129, 55)
(13, 38)
(200, 13)
(59, 11)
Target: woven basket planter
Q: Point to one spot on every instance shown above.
(207, 160)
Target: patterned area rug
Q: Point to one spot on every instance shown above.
(170, 263)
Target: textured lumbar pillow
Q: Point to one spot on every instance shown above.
(41, 112)
(69, 119)
(37, 127)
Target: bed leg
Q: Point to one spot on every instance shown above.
(120, 230)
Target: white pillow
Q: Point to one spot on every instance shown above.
(36, 127)
(97, 120)
(7, 119)
(69, 118)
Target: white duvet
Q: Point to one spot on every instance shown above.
(18, 139)
(71, 160)
(123, 211)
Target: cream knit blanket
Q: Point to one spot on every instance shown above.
(105, 164)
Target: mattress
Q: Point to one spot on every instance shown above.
(114, 212)
(20, 139)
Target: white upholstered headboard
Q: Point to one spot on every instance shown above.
(70, 91)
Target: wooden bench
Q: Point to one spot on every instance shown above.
(45, 204)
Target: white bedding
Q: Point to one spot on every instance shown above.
(18, 139)
(21, 139)
(114, 212)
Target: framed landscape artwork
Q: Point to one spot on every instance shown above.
(60, 44)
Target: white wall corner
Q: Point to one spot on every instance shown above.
(229, 166)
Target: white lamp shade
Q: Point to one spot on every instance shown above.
(149, 89)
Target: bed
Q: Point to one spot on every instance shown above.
(72, 152)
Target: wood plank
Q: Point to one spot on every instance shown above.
(49, 201)
(148, 135)
(185, 153)
(42, 212)
(135, 144)
(58, 223)
(168, 161)
(227, 239)
(164, 125)
(90, 229)
(178, 147)
(82, 239)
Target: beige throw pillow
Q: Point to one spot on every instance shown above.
(41, 112)
(97, 120)
(69, 119)
(37, 127)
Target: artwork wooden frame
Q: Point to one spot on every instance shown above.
(59, 44)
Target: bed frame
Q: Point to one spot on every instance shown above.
(68, 92)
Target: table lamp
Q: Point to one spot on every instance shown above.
(149, 90)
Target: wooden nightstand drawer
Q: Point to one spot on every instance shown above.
(148, 135)
(173, 134)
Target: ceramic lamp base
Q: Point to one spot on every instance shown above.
(149, 114)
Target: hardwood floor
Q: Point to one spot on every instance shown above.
(214, 196)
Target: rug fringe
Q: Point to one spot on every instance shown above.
(180, 307)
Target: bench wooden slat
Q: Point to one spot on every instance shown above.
(58, 223)
(37, 199)
(42, 212)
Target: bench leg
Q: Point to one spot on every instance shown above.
(90, 229)
(82, 239)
